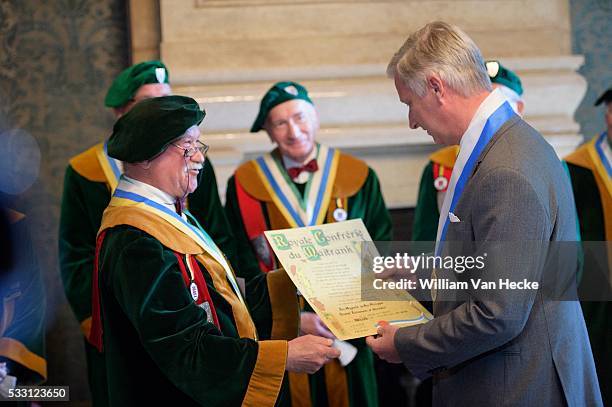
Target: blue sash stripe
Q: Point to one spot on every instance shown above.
(112, 162)
(139, 198)
(321, 193)
(493, 124)
(602, 156)
(279, 192)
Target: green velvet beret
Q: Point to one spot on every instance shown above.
(147, 129)
(281, 92)
(504, 76)
(130, 80)
(606, 97)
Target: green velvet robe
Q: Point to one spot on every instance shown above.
(83, 202)
(159, 347)
(367, 204)
(426, 213)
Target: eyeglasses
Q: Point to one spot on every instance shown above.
(191, 151)
(298, 119)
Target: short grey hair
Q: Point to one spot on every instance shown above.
(442, 49)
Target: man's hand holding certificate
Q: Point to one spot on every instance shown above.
(324, 262)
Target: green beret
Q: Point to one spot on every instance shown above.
(504, 76)
(147, 129)
(606, 97)
(130, 80)
(281, 92)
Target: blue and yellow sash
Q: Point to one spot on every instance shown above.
(195, 232)
(110, 166)
(601, 156)
(297, 210)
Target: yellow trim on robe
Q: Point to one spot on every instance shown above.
(109, 174)
(87, 165)
(17, 351)
(300, 390)
(283, 300)
(13, 216)
(268, 374)
(446, 156)
(336, 384)
(586, 157)
(86, 326)
(351, 174)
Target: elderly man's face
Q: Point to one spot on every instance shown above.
(423, 112)
(146, 91)
(292, 126)
(174, 173)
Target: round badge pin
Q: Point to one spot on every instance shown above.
(440, 183)
(193, 289)
(340, 215)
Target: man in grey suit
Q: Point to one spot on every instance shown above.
(505, 347)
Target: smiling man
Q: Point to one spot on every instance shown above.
(168, 314)
(303, 183)
(506, 347)
(91, 178)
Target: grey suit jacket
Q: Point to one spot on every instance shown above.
(508, 349)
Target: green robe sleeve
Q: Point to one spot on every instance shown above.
(212, 367)
(83, 203)
(369, 205)
(206, 206)
(426, 214)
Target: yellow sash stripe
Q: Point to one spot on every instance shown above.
(267, 376)
(17, 351)
(277, 203)
(109, 174)
(244, 322)
(328, 189)
(212, 250)
(178, 241)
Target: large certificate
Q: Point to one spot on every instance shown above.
(324, 263)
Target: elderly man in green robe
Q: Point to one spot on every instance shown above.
(91, 178)
(168, 313)
(304, 183)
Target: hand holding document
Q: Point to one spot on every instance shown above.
(324, 262)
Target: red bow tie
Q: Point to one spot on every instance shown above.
(310, 166)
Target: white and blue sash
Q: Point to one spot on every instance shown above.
(300, 211)
(466, 161)
(604, 152)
